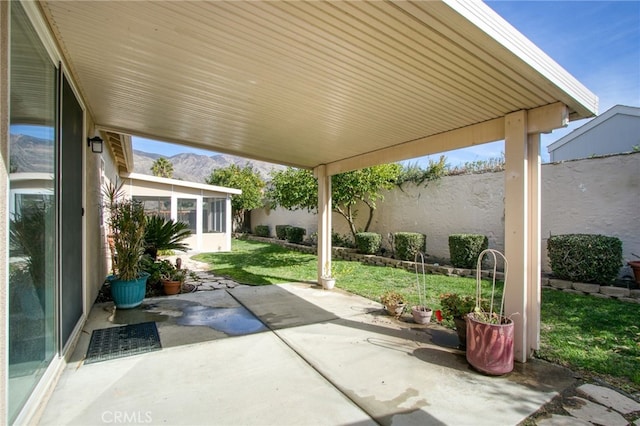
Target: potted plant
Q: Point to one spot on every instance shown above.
(128, 285)
(172, 281)
(457, 307)
(421, 313)
(490, 333)
(328, 281)
(393, 302)
(112, 193)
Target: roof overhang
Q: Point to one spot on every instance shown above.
(180, 183)
(346, 84)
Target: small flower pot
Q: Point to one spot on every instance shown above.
(395, 310)
(171, 287)
(328, 283)
(421, 314)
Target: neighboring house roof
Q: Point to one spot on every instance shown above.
(182, 183)
(607, 115)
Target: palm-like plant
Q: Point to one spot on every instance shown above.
(128, 224)
(162, 168)
(165, 234)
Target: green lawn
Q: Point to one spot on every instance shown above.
(592, 335)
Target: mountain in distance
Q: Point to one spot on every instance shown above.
(197, 167)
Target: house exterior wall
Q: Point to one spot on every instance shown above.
(618, 134)
(598, 195)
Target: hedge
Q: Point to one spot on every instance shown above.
(295, 234)
(263, 231)
(464, 249)
(281, 231)
(586, 258)
(368, 242)
(408, 244)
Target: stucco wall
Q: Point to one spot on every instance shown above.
(598, 195)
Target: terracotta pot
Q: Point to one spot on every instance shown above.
(421, 314)
(395, 310)
(490, 346)
(461, 330)
(171, 287)
(635, 266)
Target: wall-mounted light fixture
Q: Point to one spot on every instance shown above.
(95, 143)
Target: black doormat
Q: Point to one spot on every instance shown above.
(120, 342)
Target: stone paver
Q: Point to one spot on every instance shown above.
(595, 413)
(609, 398)
(559, 420)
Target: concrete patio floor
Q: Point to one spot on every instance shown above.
(324, 358)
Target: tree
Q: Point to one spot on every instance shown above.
(162, 168)
(297, 189)
(245, 179)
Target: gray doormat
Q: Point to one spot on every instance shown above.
(120, 342)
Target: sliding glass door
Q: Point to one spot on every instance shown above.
(32, 188)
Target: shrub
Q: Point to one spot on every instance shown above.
(263, 231)
(295, 234)
(281, 231)
(585, 258)
(464, 249)
(368, 242)
(339, 240)
(408, 244)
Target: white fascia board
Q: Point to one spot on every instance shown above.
(185, 184)
(508, 36)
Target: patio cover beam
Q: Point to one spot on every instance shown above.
(541, 120)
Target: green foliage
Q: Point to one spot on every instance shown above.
(464, 249)
(165, 234)
(246, 179)
(587, 258)
(128, 224)
(417, 175)
(339, 240)
(456, 305)
(368, 242)
(162, 168)
(494, 164)
(295, 234)
(362, 186)
(263, 231)
(293, 189)
(281, 231)
(297, 189)
(408, 244)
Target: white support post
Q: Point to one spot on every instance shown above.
(324, 220)
(517, 231)
(534, 269)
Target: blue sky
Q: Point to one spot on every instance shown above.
(598, 42)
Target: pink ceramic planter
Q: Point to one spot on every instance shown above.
(490, 346)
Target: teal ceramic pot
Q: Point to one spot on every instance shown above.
(128, 294)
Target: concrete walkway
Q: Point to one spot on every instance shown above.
(317, 358)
